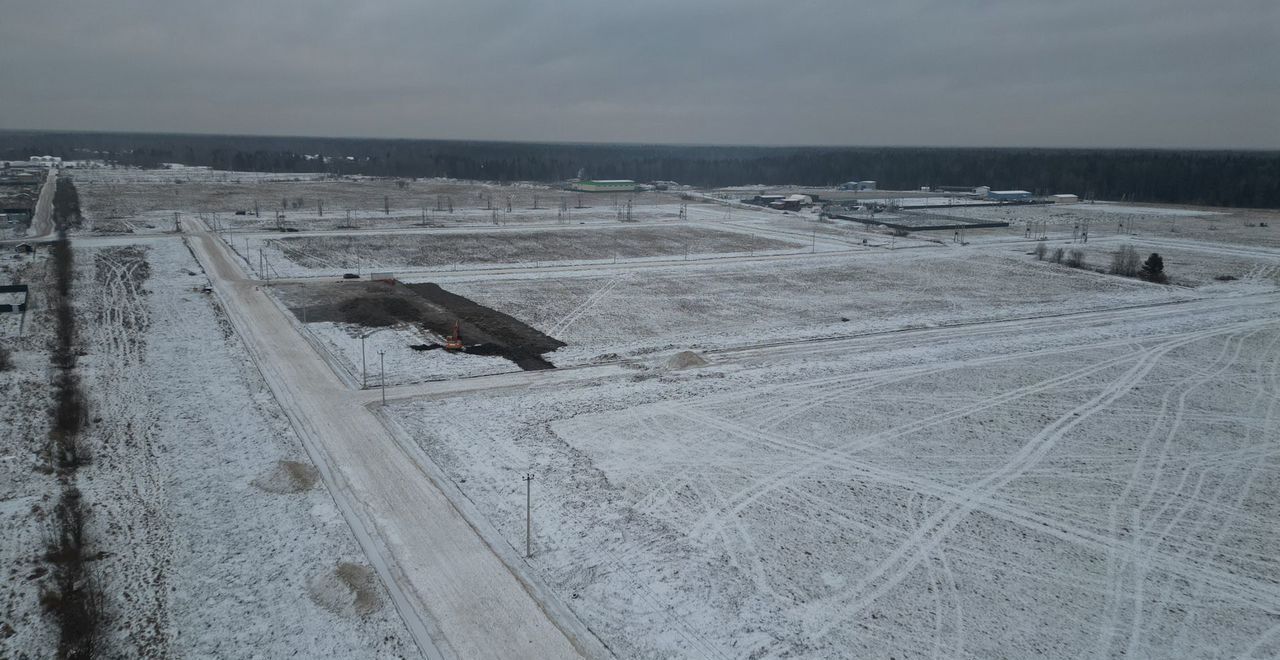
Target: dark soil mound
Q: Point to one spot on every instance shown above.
(377, 311)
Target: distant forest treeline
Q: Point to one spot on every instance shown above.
(1215, 178)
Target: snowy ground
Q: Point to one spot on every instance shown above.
(217, 539)
(318, 255)
(630, 312)
(1095, 477)
(900, 446)
(1052, 489)
(129, 199)
(218, 536)
(1234, 226)
(403, 365)
(27, 488)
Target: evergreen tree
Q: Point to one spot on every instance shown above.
(1153, 269)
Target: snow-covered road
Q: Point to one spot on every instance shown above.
(458, 598)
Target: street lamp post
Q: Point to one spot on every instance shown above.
(382, 370)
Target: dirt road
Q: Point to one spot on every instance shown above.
(42, 223)
(458, 598)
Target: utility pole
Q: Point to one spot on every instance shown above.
(386, 205)
(528, 514)
(382, 372)
(364, 369)
(813, 245)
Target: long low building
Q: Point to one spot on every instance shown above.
(1009, 195)
(606, 185)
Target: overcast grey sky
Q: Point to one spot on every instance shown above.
(1160, 73)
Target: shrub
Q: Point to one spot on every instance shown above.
(1075, 258)
(1058, 253)
(5, 362)
(1125, 261)
(1040, 251)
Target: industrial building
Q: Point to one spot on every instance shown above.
(606, 185)
(858, 186)
(782, 202)
(1009, 195)
(1065, 199)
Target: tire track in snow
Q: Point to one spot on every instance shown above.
(582, 308)
(1115, 562)
(895, 568)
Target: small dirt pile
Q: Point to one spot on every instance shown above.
(350, 590)
(288, 477)
(685, 360)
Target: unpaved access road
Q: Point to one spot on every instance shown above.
(42, 223)
(458, 598)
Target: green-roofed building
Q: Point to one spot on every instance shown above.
(606, 185)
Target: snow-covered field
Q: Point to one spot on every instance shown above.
(1099, 486)
(217, 540)
(879, 446)
(877, 463)
(443, 250)
(631, 312)
(1233, 226)
(217, 535)
(28, 489)
(128, 199)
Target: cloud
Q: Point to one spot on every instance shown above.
(1161, 73)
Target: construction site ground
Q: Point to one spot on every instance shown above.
(812, 439)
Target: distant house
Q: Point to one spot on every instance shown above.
(1065, 199)
(606, 185)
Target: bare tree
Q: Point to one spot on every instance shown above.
(1125, 261)
(1040, 251)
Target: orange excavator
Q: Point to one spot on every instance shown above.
(454, 343)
